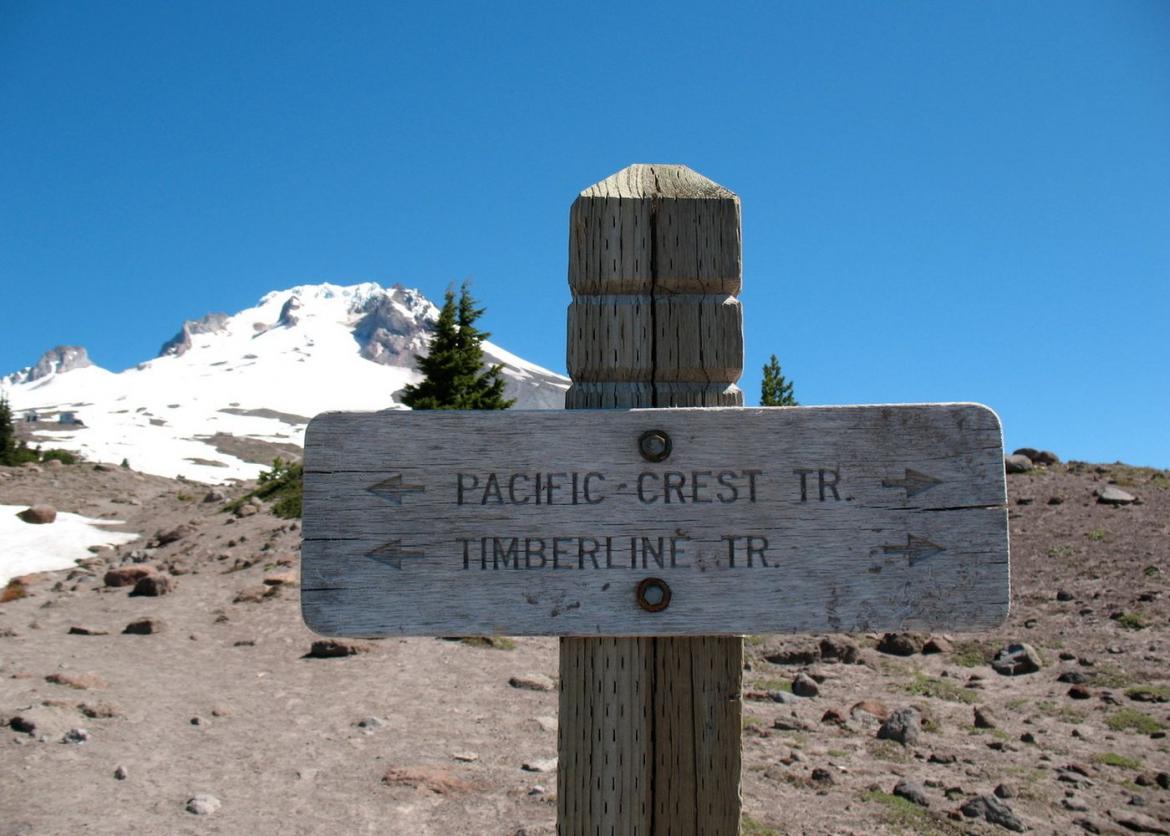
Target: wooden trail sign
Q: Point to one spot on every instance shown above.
(750, 520)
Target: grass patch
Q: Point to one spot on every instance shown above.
(1061, 712)
(750, 827)
(888, 750)
(1060, 551)
(1132, 621)
(1097, 535)
(755, 640)
(906, 816)
(1108, 676)
(490, 642)
(1151, 571)
(1114, 759)
(774, 684)
(941, 689)
(1130, 719)
(970, 654)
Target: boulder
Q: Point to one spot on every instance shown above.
(805, 686)
(128, 575)
(840, 649)
(1113, 495)
(902, 726)
(991, 809)
(911, 791)
(203, 804)
(1017, 659)
(39, 514)
(1016, 463)
(153, 585)
(900, 644)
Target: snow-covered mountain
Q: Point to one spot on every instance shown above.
(228, 392)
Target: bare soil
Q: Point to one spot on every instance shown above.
(427, 736)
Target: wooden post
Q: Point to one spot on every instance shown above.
(649, 739)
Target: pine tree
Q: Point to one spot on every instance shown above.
(7, 433)
(453, 372)
(776, 390)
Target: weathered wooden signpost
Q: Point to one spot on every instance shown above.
(650, 539)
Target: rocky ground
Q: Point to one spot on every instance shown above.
(169, 686)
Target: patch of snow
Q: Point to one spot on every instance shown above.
(26, 548)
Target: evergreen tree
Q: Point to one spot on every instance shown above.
(776, 390)
(453, 372)
(7, 433)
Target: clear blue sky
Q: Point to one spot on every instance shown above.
(941, 201)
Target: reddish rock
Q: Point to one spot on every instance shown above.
(80, 681)
(39, 514)
(255, 594)
(936, 644)
(128, 575)
(431, 778)
(874, 708)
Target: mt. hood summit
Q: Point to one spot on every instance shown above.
(229, 392)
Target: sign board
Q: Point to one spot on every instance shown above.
(655, 521)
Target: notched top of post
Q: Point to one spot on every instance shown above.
(650, 180)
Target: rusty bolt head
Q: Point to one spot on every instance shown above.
(654, 445)
(653, 594)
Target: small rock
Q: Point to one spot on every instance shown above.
(203, 804)
(79, 630)
(465, 757)
(165, 538)
(984, 719)
(152, 586)
(1017, 659)
(536, 789)
(991, 809)
(1056, 500)
(936, 644)
(215, 496)
(900, 644)
(221, 711)
(1138, 822)
(911, 791)
(1004, 791)
(1162, 779)
(100, 710)
(547, 765)
(873, 709)
(944, 758)
(1079, 692)
(548, 724)
(39, 514)
(821, 775)
(370, 723)
(804, 686)
(1017, 463)
(840, 649)
(120, 773)
(439, 781)
(246, 510)
(1072, 678)
(77, 735)
(281, 579)
(1113, 495)
(336, 648)
(144, 626)
(792, 723)
(834, 716)
(794, 656)
(532, 682)
(80, 681)
(1074, 804)
(127, 575)
(903, 726)
(255, 594)
(1063, 595)
(24, 725)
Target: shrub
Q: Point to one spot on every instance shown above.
(63, 456)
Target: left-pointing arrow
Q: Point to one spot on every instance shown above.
(392, 554)
(392, 489)
(916, 549)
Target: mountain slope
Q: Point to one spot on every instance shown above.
(227, 393)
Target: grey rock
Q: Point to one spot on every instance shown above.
(144, 627)
(911, 791)
(991, 809)
(900, 644)
(904, 726)
(1113, 495)
(120, 773)
(179, 344)
(1017, 659)
(805, 686)
(153, 586)
(1016, 463)
(1004, 791)
(77, 735)
(840, 649)
(203, 804)
(57, 360)
(1074, 804)
(1138, 822)
(984, 719)
(546, 765)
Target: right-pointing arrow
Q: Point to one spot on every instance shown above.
(914, 482)
(392, 554)
(916, 549)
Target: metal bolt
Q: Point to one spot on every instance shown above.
(654, 445)
(653, 594)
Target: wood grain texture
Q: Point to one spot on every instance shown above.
(428, 523)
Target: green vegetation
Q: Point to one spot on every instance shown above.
(492, 642)
(750, 827)
(773, 684)
(1098, 534)
(1114, 759)
(972, 654)
(941, 689)
(1061, 712)
(1132, 621)
(453, 372)
(905, 815)
(283, 487)
(1151, 571)
(63, 456)
(11, 452)
(1149, 693)
(1130, 719)
(776, 390)
(1060, 551)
